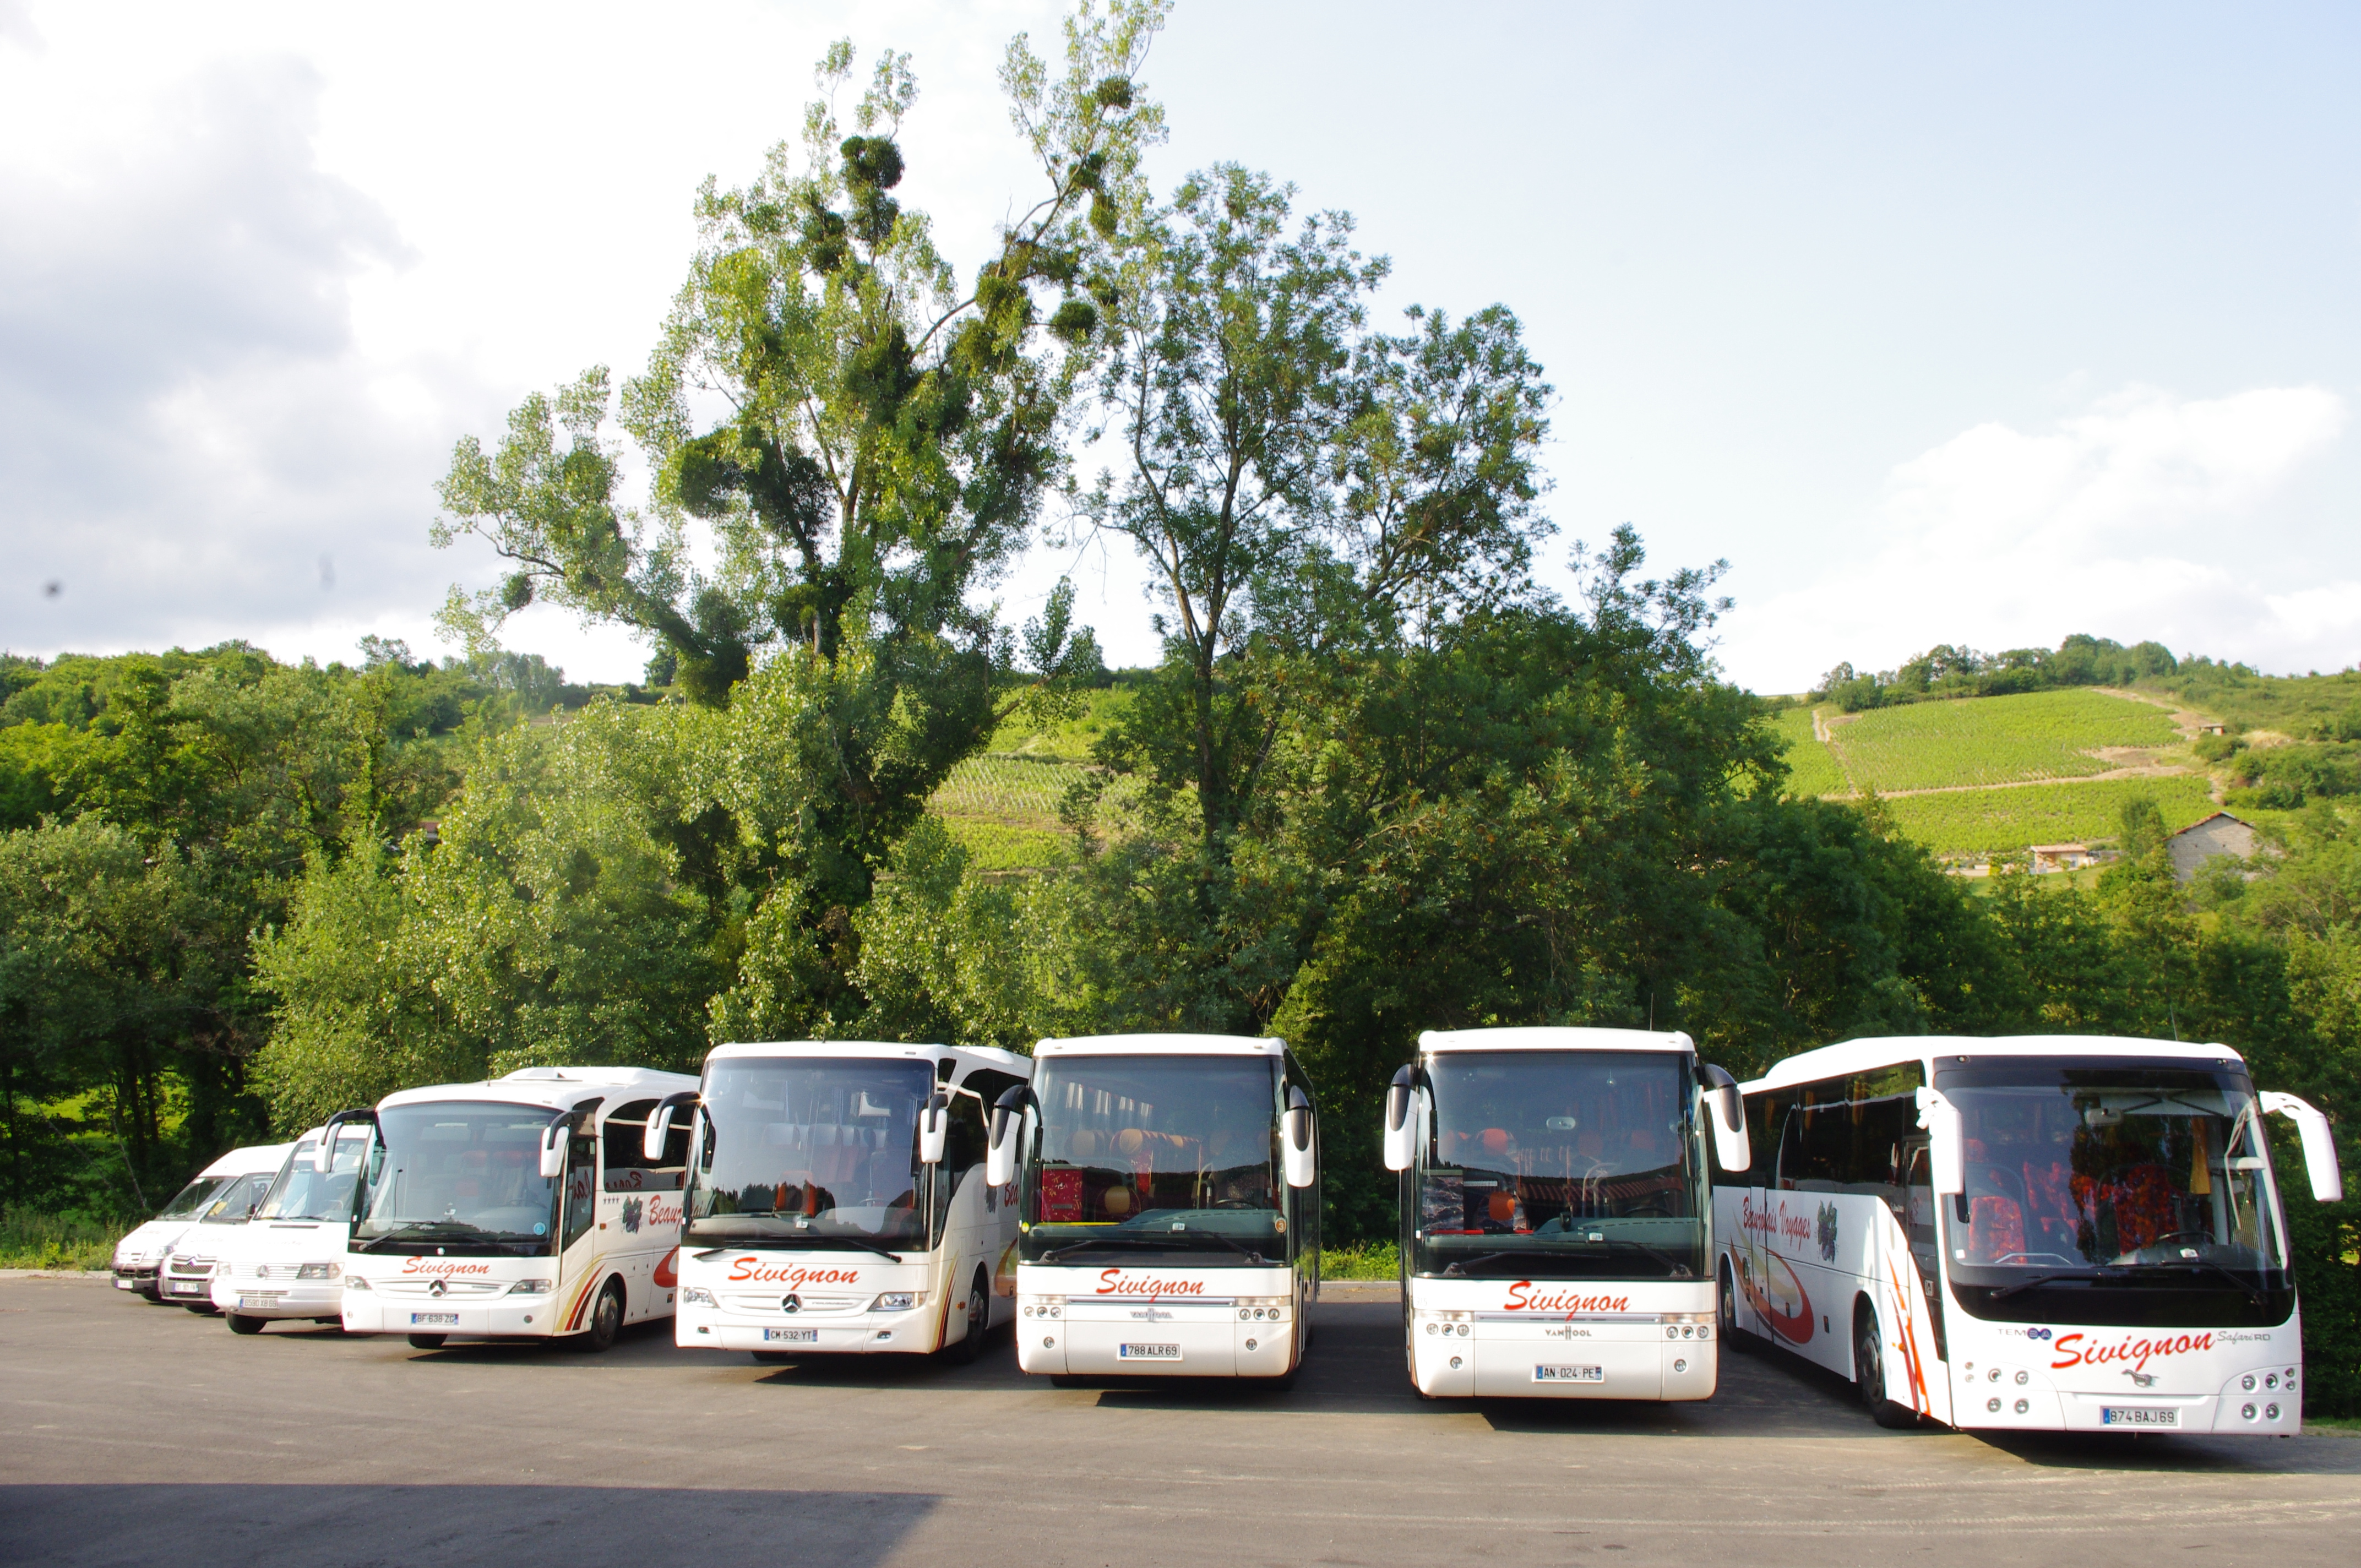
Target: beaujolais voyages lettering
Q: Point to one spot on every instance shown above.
(1522, 1299)
(750, 1269)
(1115, 1282)
(443, 1266)
(1795, 1229)
(2139, 1352)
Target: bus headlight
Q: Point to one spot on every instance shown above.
(1262, 1309)
(895, 1301)
(530, 1288)
(1043, 1307)
(696, 1296)
(357, 1283)
(320, 1271)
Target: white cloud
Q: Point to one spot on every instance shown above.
(2147, 516)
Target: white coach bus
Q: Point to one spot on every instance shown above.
(1168, 1204)
(2044, 1231)
(521, 1207)
(1556, 1230)
(837, 1200)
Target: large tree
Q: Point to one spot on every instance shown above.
(885, 433)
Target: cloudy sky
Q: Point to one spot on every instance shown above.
(1982, 325)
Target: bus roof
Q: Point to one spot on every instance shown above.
(986, 1056)
(249, 1161)
(1866, 1056)
(554, 1087)
(1545, 1039)
(1161, 1046)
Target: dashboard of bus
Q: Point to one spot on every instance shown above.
(1574, 1165)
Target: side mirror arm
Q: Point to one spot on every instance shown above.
(1402, 1119)
(652, 1144)
(1732, 1148)
(1297, 1154)
(1007, 1126)
(1947, 1145)
(323, 1158)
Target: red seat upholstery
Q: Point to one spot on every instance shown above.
(1995, 1229)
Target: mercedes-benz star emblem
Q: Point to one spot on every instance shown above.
(792, 1304)
(436, 1289)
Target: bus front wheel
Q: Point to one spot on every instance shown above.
(606, 1319)
(1725, 1311)
(427, 1341)
(239, 1324)
(969, 1345)
(1869, 1373)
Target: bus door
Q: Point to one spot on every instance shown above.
(577, 1243)
(1914, 1213)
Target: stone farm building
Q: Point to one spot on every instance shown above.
(2219, 834)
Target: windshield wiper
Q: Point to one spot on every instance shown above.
(2053, 1275)
(1054, 1253)
(448, 1229)
(2251, 1294)
(793, 1240)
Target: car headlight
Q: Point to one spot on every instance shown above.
(696, 1296)
(530, 1288)
(320, 1271)
(357, 1283)
(895, 1301)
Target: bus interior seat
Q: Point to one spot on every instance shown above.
(1995, 1228)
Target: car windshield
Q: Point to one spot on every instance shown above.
(301, 1193)
(1574, 1164)
(802, 1151)
(229, 1206)
(460, 1171)
(192, 1198)
(1144, 1153)
(2128, 1169)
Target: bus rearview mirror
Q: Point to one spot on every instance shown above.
(1947, 1144)
(552, 1151)
(1296, 1140)
(2318, 1146)
(651, 1142)
(1401, 1135)
(1732, 1149)
(934, 1130)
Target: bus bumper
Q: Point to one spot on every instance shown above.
(1466, 1355)
(316, 1298)
(916, 1331)
(512, 1317)
(1175, 1342)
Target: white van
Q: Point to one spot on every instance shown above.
(184, 1270)
(287, 1261)
(137, 1255)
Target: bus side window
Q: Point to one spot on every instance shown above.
(1790, 1147)
(963, 1149)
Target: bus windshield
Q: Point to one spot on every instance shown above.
(1141, 1155)
(807, 1151)
(459, 1171)
(192, 1198)
(303, 1193)
(1568, 1164)
(2159, 1170)
(229, 1206)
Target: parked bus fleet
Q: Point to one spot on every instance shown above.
(2056, 1232)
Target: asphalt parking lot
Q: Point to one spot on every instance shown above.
(142, 1433)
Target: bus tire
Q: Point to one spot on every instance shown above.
(239, 1324)
(427, 1341)
(1869, 1373)
(1725, 1311)
(606, 1321)
(773, 1357)
(969, 1346)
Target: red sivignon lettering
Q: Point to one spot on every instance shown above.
(2072, 1352)
(442, 1265)
(1115, 1282)
(1522, 1299)
(745, 1269)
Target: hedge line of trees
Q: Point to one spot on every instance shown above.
(1379, 781)
(1944, 672)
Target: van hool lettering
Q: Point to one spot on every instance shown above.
(751, 1269)
(1115, 1282)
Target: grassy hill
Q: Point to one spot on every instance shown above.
(1004, 805)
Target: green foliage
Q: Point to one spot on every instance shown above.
(1944, 672)
(33, 1238)
(1812, 768)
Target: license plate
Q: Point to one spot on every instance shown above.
(1546, 1374)
(790, 1336)
(1128, 1351)
(249, 1303)
(435, 1320)
(2138, 1416)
